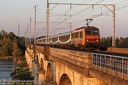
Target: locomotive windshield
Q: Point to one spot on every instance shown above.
(88, 32)
(95, 32)
(92, 32)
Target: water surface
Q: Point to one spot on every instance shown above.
(6, 67)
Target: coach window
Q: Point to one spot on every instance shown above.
(81, 34)
(76, 35)
(73, 35)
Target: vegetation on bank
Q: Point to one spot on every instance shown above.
(120, 42)
(13, 48)
(21, 71)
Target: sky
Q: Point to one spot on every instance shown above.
(13, 12)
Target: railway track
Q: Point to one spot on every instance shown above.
(102, 52)
(107, 52)
(112, 53)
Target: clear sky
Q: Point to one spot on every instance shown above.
(14, 11)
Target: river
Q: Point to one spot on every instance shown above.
(6, 67)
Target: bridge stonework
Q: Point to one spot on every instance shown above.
(66, 67)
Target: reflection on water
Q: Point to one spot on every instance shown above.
(6, 67)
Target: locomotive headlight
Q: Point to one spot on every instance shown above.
(87, 40)
(97, 40)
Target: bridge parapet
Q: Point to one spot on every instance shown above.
(79, 61)
(114, 65)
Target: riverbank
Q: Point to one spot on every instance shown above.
(15, 72)
(21, 70)
(9, 58)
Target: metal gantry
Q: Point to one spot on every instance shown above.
(35, 24)
(47, 22)
(105, 5)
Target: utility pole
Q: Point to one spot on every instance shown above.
(18, 29)
(114, 20)
(25, 33)
(35, 25)
(34, 45)
(30, 29)
(47, 23)
(35, 63)
(28, 34)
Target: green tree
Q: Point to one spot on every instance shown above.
(117, 42)
(6, 47)
(11, 35)
(16, 51)
(11, 45)
(22, 45)
(106, 42)
(120, 42)
(123, 42)
(1, 36)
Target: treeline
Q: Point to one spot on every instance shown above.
(11, 46)
(120, 42)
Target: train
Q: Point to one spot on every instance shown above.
(85, 38)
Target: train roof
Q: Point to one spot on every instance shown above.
(61, 34)
(87, 28)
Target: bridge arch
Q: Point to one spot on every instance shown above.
(49, 73)
(36, 57)
(64, 80)
(41, 64)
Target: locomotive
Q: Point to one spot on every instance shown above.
(86, 38)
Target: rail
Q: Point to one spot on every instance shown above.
(114, 65)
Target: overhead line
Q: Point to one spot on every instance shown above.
(80, 11)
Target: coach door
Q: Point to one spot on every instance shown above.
(74, 40)
(80, 37)
(78, 40)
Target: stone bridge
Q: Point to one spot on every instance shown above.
(54, 66)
